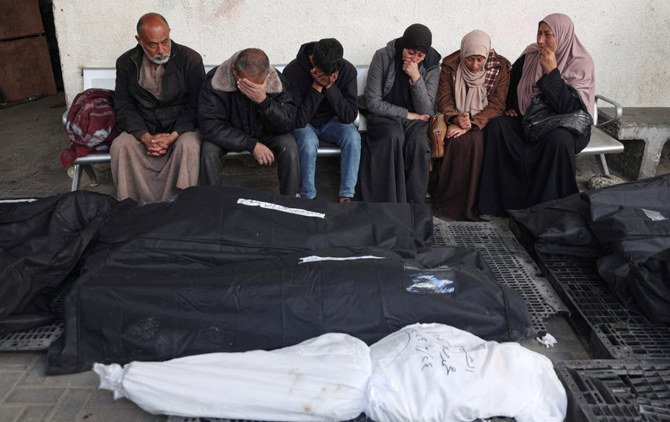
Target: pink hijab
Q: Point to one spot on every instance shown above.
(574, 63)
(469, 90)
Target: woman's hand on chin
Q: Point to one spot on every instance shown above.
(547, 60)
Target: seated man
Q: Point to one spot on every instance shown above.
(324, 85)
(244, 106)
(155, 103)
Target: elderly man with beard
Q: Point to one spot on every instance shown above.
(155, 103)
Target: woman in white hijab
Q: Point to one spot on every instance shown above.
(516, 174)
(472, 90)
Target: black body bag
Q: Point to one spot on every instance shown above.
(118, 313)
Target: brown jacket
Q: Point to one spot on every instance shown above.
(496, 95)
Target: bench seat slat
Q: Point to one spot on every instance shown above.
(93, 158)
(601, 143)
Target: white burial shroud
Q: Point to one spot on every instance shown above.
(423, 372)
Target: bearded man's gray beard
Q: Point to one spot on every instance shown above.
(158, 58)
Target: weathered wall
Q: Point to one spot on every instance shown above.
(622, 37)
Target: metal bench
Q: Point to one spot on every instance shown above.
(600, 144)
(105, 78)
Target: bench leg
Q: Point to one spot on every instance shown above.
(91, 174)
(603, 164)
(76, 176)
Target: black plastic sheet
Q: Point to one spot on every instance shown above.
(626, 226)
(218, 269)
(560, 226)
(41, 243)
(632, 217)
(119, 314)
(649, 284)
(213, 225)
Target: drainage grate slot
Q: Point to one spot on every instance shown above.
(32, 340)
(609, 390)
(614, 331)
(509, 262)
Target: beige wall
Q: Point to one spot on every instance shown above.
(623, 37)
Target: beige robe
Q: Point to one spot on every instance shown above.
(146, 178)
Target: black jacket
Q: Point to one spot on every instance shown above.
(232, 121)
(138, 112)
(340, 99)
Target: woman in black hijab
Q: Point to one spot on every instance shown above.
(400, 98)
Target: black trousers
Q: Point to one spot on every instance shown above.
(284, 149)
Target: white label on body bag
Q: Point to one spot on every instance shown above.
(281, 208)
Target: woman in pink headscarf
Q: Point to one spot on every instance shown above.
(516, 174)
(472, 90)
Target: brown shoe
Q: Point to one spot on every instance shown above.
(345, 199)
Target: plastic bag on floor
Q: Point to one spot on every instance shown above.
(321, 379)
(433, 372)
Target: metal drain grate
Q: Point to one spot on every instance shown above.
(509, 262)
(613, 330)
(35, 339)
(614, 390)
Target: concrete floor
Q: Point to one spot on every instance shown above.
(31, 139)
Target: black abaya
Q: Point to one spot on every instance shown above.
(395, 154)
(518, 175)
(395, 159)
